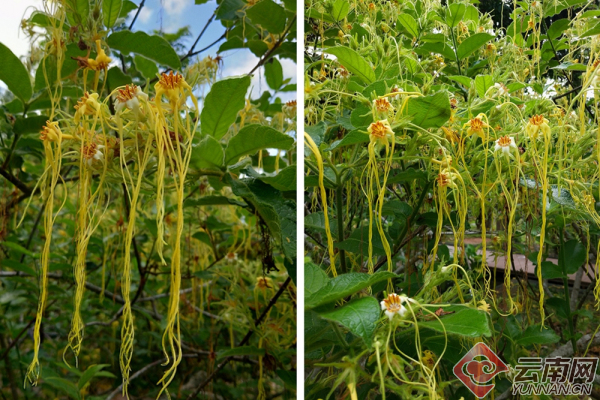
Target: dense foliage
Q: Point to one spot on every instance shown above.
(440, 148)
(147, 216)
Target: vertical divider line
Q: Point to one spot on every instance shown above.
(300, 201)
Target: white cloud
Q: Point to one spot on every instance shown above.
(10, 21)
(145, 15)
(175, 7)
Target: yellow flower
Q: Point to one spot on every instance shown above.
(483, 306)
(86, 105)
(174, 87)
(264, 283)
(382, 105)
(289, 109)
(51, 132)
(446, 179)
(393, 305)
(380, 131)
(101, 61)
(476, 126)
(129, 98)
(537, 124)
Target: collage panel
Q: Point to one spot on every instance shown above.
(451, 200)
(148, 199)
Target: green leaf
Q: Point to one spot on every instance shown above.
(45, 21)
(153, 47)
(360, 316)
(18, 248)
(212, 201)
(554, 7)
(472, 44)
(284, 180)
(278, 213)
(354, 63)
(315, 14)
(571, 256)
(274, 74)
(252, 138)
(569, 66)
(230, 9)
(465, 321)
(111, 10)
(147, 68)
(558, 27)
(314, 279)
(208, 153)
(482, 84)
(454, 14)
(80, 10)
(117, 78)
(268, 15)
(222, 104)
(241, 351)
(429, 111)
(352, 137)
(463, 80)
(14, 74)
(358, 242)
(409, 24)
(62, 384)
(343, 286)
(340, 9)
(17, 266)
(33, 124)
(551, 270)
(127, 7)
(535, 335)
(89, 374)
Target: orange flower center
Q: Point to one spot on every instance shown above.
(393, 303)
(170, 81)
(382, 105)
(536, 120)
(89, 151)
(504, 141)
(476, 124)
(127, 94)
(443, 179)
(378, 129)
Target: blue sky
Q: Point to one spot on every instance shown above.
(168, 15)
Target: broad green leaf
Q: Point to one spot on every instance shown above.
(33, 124)
(212, 201)
(340, 9)
(573, 255)
(554, 7)
(358, 242)
(127, 7)
(64, 385)
(551, 270)
(361, 117)
(14, 74)
(464, 321)
(315, 14)
(241, 351)
(463, 80)
(535, 335)
(429, 111)
(472, 44)
(569, 66)
(153, 47)
(117, 78)
(80, 11)
(222, 104)
(274, 74)
(111, 10)
(268, 15)
(284, 180)
(89, 374)
(316, 221)
(441, 47)
(278, 213)
(409, 23)
(17, 266)
(360, 316)
(557, 28)
(147, 68)
(353, 62)
(454, 14)
(207, 154)
(45, 21)
(252, 138)
(352, 137)
(230, 9)
(314, 278)
(18, 248)
(344, 285)
(482, 84)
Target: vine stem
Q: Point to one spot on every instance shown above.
(339, 193)
(245, 340)
(566, 289)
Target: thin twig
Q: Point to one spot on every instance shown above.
(244, 340)
(191, 50)
(15, 181)
(137, 13)
(269, 53)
